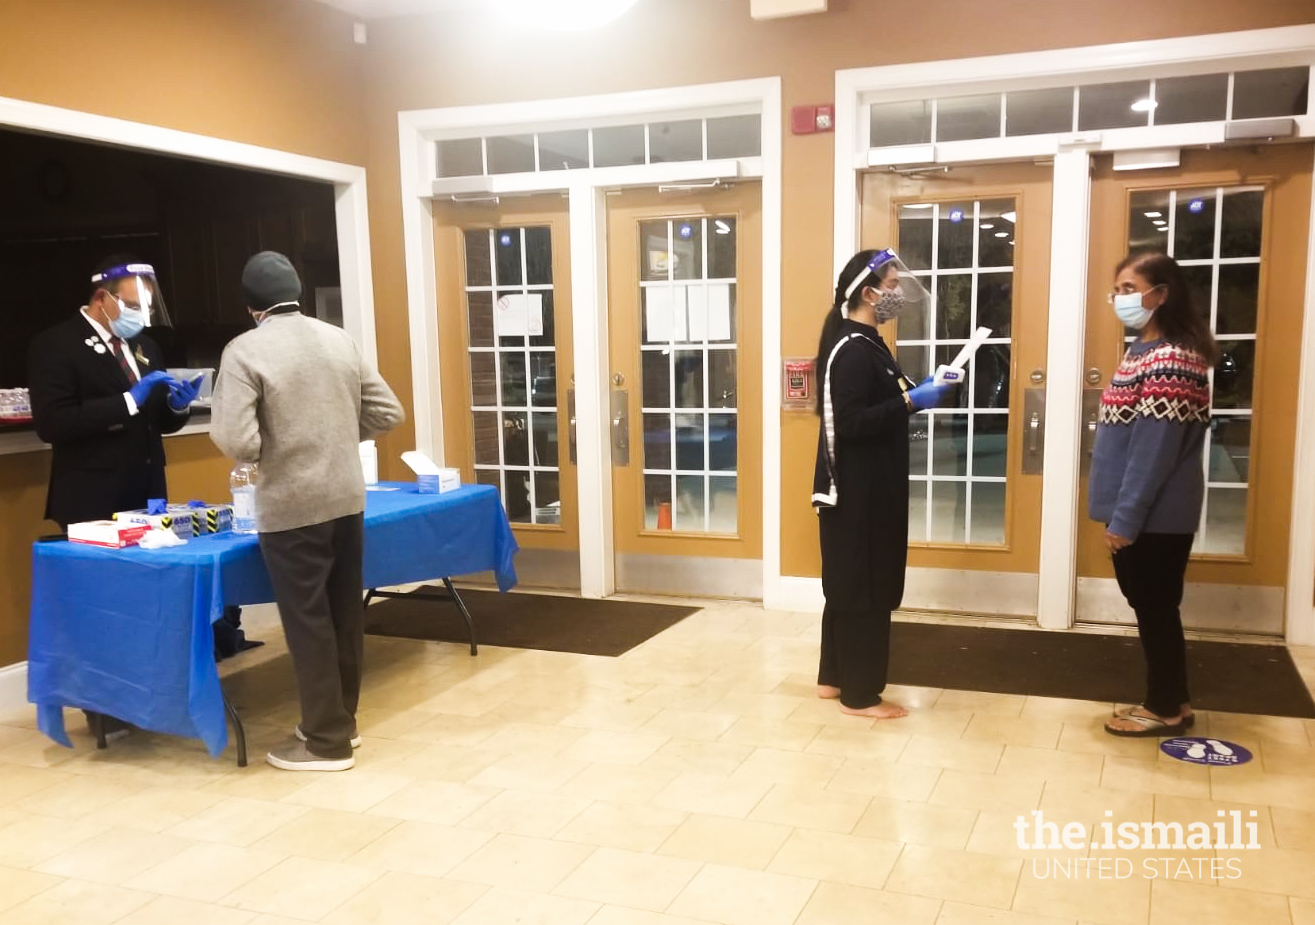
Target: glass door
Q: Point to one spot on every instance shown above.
(684, 273)
(1236, 221)
(978, 237)
(505, 342)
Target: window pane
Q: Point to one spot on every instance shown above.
(479, 312)
(966, 117)
(511, 154)
(690, 513)
(988, 514)
(689, 378)
(1230, 448)
(1110, 105)
(543, 379)
(515, 440)
(547, 498)
(721, 379)
(954, 306)
(1194, 225)
(483, 387)
(1039, 112)
(917, 325)
(918, 447)
(618, 146)
(1200, 284)
(656, 387)
(486, 438)
(545, 440)
(990, 374)
(564, 150)
(1234, 374)
(725, 504)
(657, 441)
(1269, 93)
(541, 314)
(657, 501)
(512, 369)
(918, 511)
(1202, 98)
(478, 269)
(949, 503)
(723, 440)
(1243, 213)
(655, 251)
(912, 360)
(949, 444)
(956, 235)
(690, 442)
(914, 244)
(735, 136)
(995, 240)
(990, 444)
(538, 256)
(507, 256)
(461, 157)
(675, 141)
(721, 248)
(687, 243)
(1148, 220)
(1239, 298)
(1225, 522)
(901, 123)
(995, 302)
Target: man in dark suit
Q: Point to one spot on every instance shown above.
(102, 400)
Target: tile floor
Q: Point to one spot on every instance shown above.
(694, 780)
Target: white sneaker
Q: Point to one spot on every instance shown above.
(301, 737)
(296, 757)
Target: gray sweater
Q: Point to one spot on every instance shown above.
(296, 396)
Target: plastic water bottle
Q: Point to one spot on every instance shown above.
(370, 462)
(242, 480)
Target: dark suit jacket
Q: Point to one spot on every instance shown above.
(104, 459)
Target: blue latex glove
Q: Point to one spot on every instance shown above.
(143, 387)
(182, 394)
(929, 395)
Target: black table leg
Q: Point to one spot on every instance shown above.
(97, 723)
(238, 732)
(461, 605)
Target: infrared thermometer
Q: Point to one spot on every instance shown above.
(955, 373)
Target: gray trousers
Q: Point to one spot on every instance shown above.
(316, 574)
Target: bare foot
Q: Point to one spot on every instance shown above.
(827, 692)
(883, 710)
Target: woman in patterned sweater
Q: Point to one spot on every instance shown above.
(1147, 479)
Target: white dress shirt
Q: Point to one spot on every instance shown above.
(109, 339)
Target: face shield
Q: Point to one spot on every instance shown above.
(886, 273)
(135, 286)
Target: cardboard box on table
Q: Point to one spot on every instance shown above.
(110, 533)
(431, 478)
(183, 525)
(207, 518)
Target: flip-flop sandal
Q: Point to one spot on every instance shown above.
(1150, 727)
(1188, 721)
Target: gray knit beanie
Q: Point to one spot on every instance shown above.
(268, 279)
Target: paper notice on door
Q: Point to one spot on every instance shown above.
(719, 311)
(519, 315)
(665, 317)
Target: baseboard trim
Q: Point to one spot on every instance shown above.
(802, 595)
(13, 688)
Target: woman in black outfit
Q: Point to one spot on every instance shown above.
(861, 482)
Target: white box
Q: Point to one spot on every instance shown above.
(107, 533)
(431, 478)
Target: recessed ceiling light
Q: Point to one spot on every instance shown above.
(987, 226)
(722, 227)
(919, 205)
(1002, 234)
(1152, 214)
(1146, 104)
(1164, 228)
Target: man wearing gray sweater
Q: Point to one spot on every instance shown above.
(296, 396)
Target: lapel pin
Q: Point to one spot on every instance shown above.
(141, 357)
(100, 348)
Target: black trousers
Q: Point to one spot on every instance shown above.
(1150, 574)
(855, 654)
(316, 574)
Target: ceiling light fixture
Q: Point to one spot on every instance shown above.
(562, 15)
(1010, 217)
(987, 226)
(1146, 104)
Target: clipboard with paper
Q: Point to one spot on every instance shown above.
(953, 372)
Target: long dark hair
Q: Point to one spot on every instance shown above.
(1178, 319)
(834, 317)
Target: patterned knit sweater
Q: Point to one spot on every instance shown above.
(1146, 470)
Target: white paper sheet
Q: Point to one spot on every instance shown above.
(665, 314)
(519, 315)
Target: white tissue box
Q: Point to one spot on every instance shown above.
(109, 533)
(180, 523)
(431, 478)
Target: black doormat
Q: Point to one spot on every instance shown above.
(526, 621)
(1224, 676)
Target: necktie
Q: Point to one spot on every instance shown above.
(116, 347)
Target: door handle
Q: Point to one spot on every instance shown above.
(1034, 407)
(1034, 432)
(1091, 433)
(570, 428)
(621, 427)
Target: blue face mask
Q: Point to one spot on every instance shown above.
(129, 323)
(1128, 306)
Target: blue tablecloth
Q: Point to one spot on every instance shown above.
(126, 632)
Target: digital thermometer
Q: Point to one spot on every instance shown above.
(954, 372)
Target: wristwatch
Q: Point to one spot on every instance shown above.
(907, 401)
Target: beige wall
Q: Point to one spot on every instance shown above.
(463, 59)
(282, 74)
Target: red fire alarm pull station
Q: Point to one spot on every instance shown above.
(806, 120)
